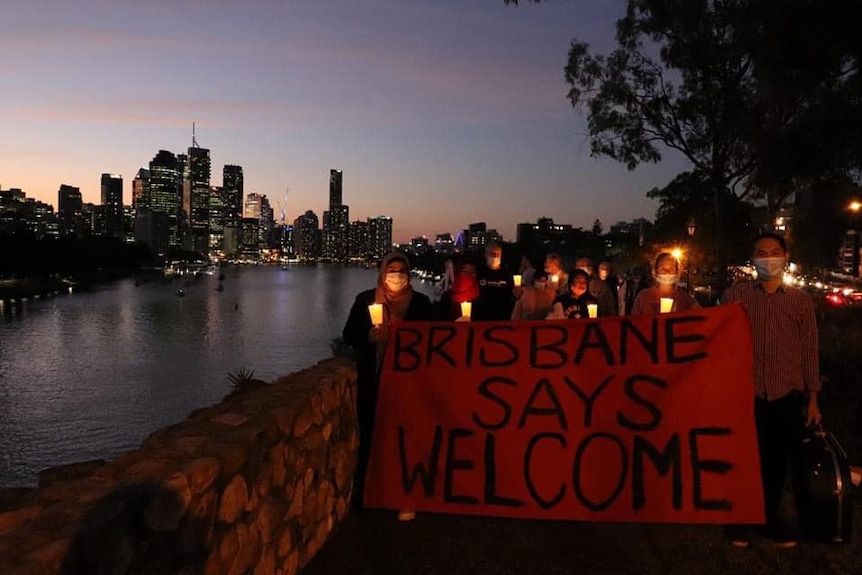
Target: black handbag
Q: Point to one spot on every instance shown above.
(826, 506)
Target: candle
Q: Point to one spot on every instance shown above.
(593, 309)
(555, 278)
(376, 312)
(517, 280)
(466, 308)
(666, 304)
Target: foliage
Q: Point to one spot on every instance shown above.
(751, 93)
(243, 381)
(27, 256)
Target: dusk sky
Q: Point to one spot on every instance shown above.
(439, 112)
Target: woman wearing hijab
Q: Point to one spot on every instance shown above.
(666, 273)
(400, 302)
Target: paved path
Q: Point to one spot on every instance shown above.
(374, 542)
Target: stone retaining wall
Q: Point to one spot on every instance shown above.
(252, 485)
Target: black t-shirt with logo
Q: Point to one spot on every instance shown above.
(496, 299)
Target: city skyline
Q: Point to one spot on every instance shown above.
(418, 103)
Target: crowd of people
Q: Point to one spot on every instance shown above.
(784, 332)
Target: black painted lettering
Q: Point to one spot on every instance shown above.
(406, 356)
(468, 356)
(589, 400)
(528, 478)
(553, 354)
(577, 468)
(594, 338)
(699, 466)
(436, 345)
(425, 473)
(669, 460)
(490, 336)
(491, 496)
(453, 465)
(543, 385)
(655, 414)
(484, 390)
(647, 344)
(675, 340)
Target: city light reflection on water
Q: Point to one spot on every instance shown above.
(90, 375)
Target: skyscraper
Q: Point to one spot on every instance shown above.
(380, 233)
(335, 179)
(157, 217)
(70, 211)
(307, 237)
(232, 182)
(196, 193)
(139, 186)
(335, 222)
(112, 205)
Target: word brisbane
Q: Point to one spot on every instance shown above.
(551, 345)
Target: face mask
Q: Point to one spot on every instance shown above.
(586, 269)
(396, 281)
(493, 262)
(667, 279)
(769, 268)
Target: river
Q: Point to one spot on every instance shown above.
(89, 375)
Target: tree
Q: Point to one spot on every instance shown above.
(702, 78)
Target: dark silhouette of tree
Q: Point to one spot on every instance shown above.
(760, 96)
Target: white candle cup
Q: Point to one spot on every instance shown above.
(666, 304)
(555, 279)
(375, 310)
(517, 280)
(593, 310)
(466, 308)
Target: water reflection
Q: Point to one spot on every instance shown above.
(90, 375)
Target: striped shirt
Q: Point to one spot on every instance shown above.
(784, 333)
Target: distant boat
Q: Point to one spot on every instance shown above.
(181, 293)
(285, 268)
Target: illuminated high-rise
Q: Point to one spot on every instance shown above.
(112, 205)
(196, 197)
(70, 211)
(380, 236)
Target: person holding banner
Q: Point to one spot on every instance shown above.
(664, 296)
(576, 303)
(786, 378)
(536, 300)
(367, 330)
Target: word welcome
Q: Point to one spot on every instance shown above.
(620, 419)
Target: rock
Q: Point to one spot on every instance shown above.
(233, 500)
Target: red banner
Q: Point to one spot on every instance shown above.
(636, 419)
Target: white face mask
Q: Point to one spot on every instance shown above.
(667, 279)
(494, 262)
(769, 268)
(396, 281)
(586, 269)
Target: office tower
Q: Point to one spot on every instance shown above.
(70, 211)
(307, 237)
(251, 208)
(196, 193)
(157, 216)
(380, 232)
(232, 182)
(335, 222)
(335, 181)
(287, 241)
(112, 205)
(217, 218)
(359, 245)
(267, 221)
(139, 186)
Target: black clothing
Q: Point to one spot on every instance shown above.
(576, 307)
(356, 334)
(496, 296)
